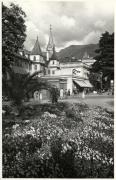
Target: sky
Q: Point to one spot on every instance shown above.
(73, 22)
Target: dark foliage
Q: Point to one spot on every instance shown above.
(18, 87)
(105, 56)
(21, 160)
(72, 114)
(13, 34)
(54, 94)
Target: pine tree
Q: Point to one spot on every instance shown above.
(105, 58)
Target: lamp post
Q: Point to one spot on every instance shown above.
(111, 85)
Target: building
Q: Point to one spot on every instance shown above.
(37, 59)
(22, 63)
(30, 62)
(88, 60)
(67, 76)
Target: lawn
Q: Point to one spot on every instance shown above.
(58, 141)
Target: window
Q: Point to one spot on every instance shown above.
(35, 67)
(53, 62)
(53, 72)
(48, 71)
(34, 58)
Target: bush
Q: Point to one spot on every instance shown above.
(73, 114)
(56, 147)
(16, 151)
(63, 154)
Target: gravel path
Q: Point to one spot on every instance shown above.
(105, 102)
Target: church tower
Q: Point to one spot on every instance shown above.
(49, 49)
(37, 58)
(53, 65)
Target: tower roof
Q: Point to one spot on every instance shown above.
(54, 56)
(50, 42)
(36, 49)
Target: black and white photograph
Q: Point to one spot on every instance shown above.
(57, 89)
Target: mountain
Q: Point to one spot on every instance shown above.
(77, 52)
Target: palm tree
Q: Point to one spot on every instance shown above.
(18, 87)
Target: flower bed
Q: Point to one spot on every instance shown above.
(60, 141)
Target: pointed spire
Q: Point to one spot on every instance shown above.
(50, 42)
(36, 49)
(54, 56)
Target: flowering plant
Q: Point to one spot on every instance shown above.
(60, 145)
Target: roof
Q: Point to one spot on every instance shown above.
(54, 56)
(50, 42)
(36, 49)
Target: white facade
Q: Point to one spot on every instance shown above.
(36, 60)
(67, 69)
(67, 73)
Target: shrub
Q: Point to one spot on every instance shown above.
(63, 154)
(14, 149)
(56, 147)
(73, 114)
(8, 109)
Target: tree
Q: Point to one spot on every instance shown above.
(105, 58)
(18, 87)
(95, 79)
(13, 34)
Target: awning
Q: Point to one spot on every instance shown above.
(88, 83)
(80, 83)
(83, 83)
